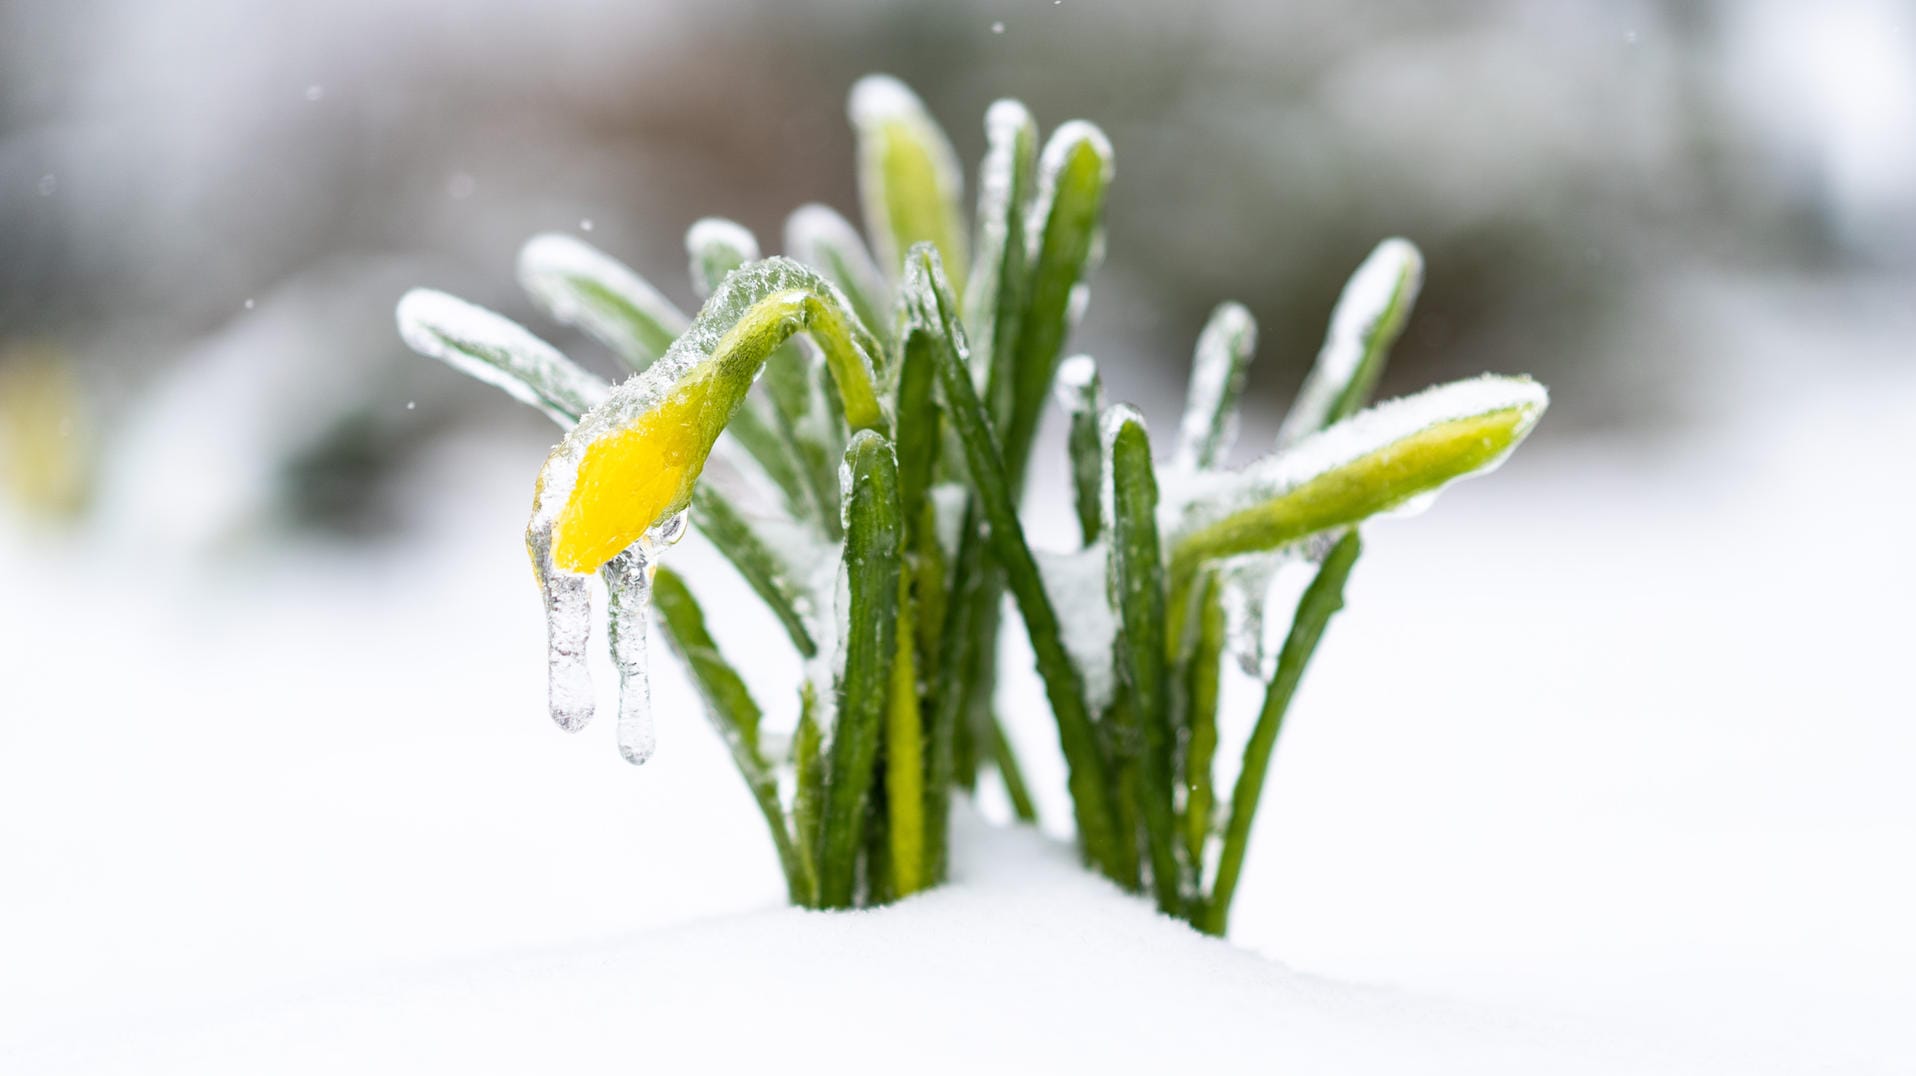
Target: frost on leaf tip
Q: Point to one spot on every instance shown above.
(498, 351)
(577, 284)
(1369, 315)
(717, 246)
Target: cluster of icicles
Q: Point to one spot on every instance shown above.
(568, 605)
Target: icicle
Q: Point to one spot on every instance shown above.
(568, 626)
(628, 582)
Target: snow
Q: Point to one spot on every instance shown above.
(1079, 976)
(1632, 798)
(1087, 624)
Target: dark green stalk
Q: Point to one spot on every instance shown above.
(1202, 675)
(1136, 576)
(808, 802)
(1322, 599)
(873, 540)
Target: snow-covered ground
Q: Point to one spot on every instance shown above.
(1606, 768)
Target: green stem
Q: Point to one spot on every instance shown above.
(1322, 599)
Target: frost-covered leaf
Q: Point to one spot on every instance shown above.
(994, 300)
(874, 537)
(1081, 395)
(717, 246)
(766, 558)
(632, 461)
(578, 285)
(1367, 320)
(1218, 369)
(1064, 236)
(480, 343)
(1373, 462)
(908, 176)
(927, 298)
(818, 236)
(1135, 588)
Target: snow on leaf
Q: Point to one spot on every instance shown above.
(1218, 369)
(578, 285)
(1373, 462)
(717, 246)
(500, 352)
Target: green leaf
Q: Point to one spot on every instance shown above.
(908, 176)
(575, 284)
(808, 801)
(1367, 320)
(1203, 672)
(762, 561)
(1217, 382)
(1073, 175)
(481, 344)
(1082, 397)
(1371, 463)
(1322, 599)
(874, 535)
(1135, 582)
(729, 705)
(717, 246)
(994, 300)
(929, 300)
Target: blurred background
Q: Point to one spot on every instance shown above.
(1617, 734)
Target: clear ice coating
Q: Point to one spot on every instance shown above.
(628, 584)
(1387, 281)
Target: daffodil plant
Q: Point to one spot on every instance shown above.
(871, 410)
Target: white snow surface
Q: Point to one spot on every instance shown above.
(1631, 794)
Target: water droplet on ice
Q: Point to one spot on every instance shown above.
(667, 533)
(411, 404)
